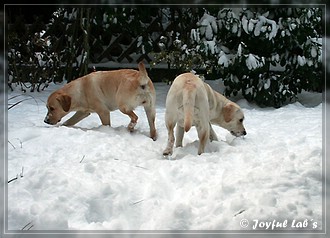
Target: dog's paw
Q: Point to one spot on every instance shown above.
(131, 126)
(153, 136)
(167, 152)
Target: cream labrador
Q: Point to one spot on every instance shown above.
(191, 102)
(102, 92)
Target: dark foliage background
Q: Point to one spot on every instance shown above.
(267, 54)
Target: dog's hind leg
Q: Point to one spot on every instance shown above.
(213, 135)
(151, 115)
(78, 116)
(170, 141)
(203, 135)
(179, 136)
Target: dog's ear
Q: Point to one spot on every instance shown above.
(65, 101)
(228, 112)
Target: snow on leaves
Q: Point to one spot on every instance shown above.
(253, 62)
(208, 26)
(275, 48)
(260, 25)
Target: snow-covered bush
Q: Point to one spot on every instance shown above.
(31, 63)
(289, 55)
(175, 45)
(268, 55)
(69, 31)
(43, 53)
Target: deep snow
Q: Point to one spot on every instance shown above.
(92, 177)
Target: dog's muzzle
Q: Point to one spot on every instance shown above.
(47, 120)
(239, 133)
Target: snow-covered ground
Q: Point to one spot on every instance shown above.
(92, 177)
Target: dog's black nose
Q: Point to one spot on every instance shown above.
(244, 133)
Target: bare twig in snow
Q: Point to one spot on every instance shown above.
(82, 159)
(138, 166)
(11, 144)
(15, 104)
(134, 203)
(21, 143)
(13, 179)
(21, 175)
(27, 226)
(240, 212)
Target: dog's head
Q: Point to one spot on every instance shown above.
(58, 105)
(233, 118)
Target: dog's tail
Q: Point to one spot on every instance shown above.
(144, 79)
(189, 96)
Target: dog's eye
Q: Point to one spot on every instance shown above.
(241, 120)
(51, 109)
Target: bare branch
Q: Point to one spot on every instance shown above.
(20, 175)
(137, 202)
(82, 159)
(13, 179)
(15, 104)
(240, 212)
(11, 144)
(138, 166)
(27, 226)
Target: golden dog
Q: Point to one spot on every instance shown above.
(190, 102)
(102, 92)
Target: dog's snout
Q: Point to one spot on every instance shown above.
(239, 133)
(47, 120)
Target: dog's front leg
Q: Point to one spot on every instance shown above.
(104, 116)
(78, 116)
